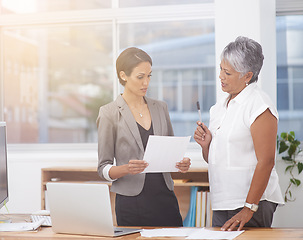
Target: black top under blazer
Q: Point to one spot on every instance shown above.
(119, 138)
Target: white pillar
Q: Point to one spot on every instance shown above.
(255, 19)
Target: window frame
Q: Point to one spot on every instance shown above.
(116, 16)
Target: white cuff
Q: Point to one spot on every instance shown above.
(106, 173)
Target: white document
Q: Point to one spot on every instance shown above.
(20, 227)
(163, 152)
(167, 232)
(190, 233)
(203, 233)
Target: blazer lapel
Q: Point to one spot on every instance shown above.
(155, 116)
(130, 120)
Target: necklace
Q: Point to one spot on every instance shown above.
(140, 113)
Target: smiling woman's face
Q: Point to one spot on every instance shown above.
(231, 82)
(138, 81)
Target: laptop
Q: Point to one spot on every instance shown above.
(82, 208)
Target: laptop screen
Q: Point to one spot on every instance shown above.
(81, 208)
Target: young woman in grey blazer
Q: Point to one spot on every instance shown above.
(124, 126)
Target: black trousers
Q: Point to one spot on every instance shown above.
(262, 218)
(156, 205)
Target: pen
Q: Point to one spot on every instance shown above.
(199, 111)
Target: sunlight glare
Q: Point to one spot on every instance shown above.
(20, 6)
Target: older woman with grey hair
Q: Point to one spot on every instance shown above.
(240, 143)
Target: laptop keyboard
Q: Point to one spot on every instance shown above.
(47, 219)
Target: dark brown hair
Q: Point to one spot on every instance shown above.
(129, 59)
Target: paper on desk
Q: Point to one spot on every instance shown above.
(203, 233)
(167, 232)
(20, 227)
(163, 152)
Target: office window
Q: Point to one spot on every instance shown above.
(183, 54)
(55, 79)
(135, 3)
(55, 76)
(290, 73)
(36, 6)
(58, 72)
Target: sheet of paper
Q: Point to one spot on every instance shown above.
(163, 152)
(167, 232)
(190, 233)
(20, 227)
(203, 233)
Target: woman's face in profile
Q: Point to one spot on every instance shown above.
(231, 82)
(138, 81)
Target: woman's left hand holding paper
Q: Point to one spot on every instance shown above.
(183, 165)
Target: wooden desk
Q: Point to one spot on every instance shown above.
(46, 233)
(196, 177)
(249, 234)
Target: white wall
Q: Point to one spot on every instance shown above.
(289, 215)
(24, 176)
(255, 19)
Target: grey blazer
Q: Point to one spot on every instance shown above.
(119, 138)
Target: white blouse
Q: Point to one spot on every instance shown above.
(232, 158)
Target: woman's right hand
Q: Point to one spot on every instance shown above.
(136, 166)
(202, 135)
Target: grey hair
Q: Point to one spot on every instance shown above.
(244, 55)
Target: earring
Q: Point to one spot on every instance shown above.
(246, 83)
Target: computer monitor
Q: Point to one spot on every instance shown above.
(3, 166)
